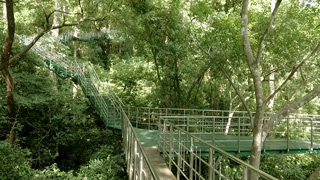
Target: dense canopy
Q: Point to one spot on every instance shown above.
(255, 56)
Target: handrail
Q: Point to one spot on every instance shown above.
(173, 129)
(127, 122)
(93, 94)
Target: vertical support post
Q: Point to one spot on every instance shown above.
(288, 134)
(220, 173)
(179, 155)
(141, 167)
(171, 147)
(149, 117)
(213, 130)
(137, 117)
(164, 139)
(202, 123)
(188, 124)
(191, 159)
(211, 167)
(239, 119)
(311, 138)
(184, 119)
(245, 173)
(135, 159)
(159, 135)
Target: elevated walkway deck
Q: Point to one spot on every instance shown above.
(158, 164)
(237, 145)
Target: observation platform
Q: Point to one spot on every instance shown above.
(294, 134)
(234, 145)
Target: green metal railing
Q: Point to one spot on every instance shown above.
(187, 138)
(138, 165)
(295, 133)
(184, 152)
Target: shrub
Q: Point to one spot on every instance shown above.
(13, 162)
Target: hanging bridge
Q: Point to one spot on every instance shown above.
(196, 144)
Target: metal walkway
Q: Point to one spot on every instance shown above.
(195, 143)
(297, 133)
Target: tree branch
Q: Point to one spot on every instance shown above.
(227, 76)
(290, 108)
(317, 48)
(33, 42)
(197, 81)
(28, 47)
(274, 13)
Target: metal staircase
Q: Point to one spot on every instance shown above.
(115, 115)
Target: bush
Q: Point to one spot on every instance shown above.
(13, 162)
(104, 164)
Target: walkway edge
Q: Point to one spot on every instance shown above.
(158, 164)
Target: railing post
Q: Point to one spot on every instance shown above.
(239, 119)
(188, 125)
(245, 173)
(137, 117)
(287, 134)
(159, 135)
(213, 130)
(179, 155)
(164, 139)
(141, 167)
(149, 117)
(171, 147)
(135, 159)
(211, 168)
(311, 138)
(191, 159)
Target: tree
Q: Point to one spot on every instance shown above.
(260, 130)
(7, 59)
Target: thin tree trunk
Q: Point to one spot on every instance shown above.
(154, 53)
(272, 73)
(5, 56)
(232, 111)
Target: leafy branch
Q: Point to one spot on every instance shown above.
(227, 76)
(316, 49)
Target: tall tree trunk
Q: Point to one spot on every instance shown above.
(272, 74)
(255, 153)
(5, 56)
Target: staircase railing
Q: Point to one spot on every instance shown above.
(138, 165)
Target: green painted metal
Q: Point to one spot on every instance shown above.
(229, 143)
(203, 143)
(294, 134)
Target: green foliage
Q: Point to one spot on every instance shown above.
(52, 172)
(13, 162)
(104, 164)
(294, 167)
